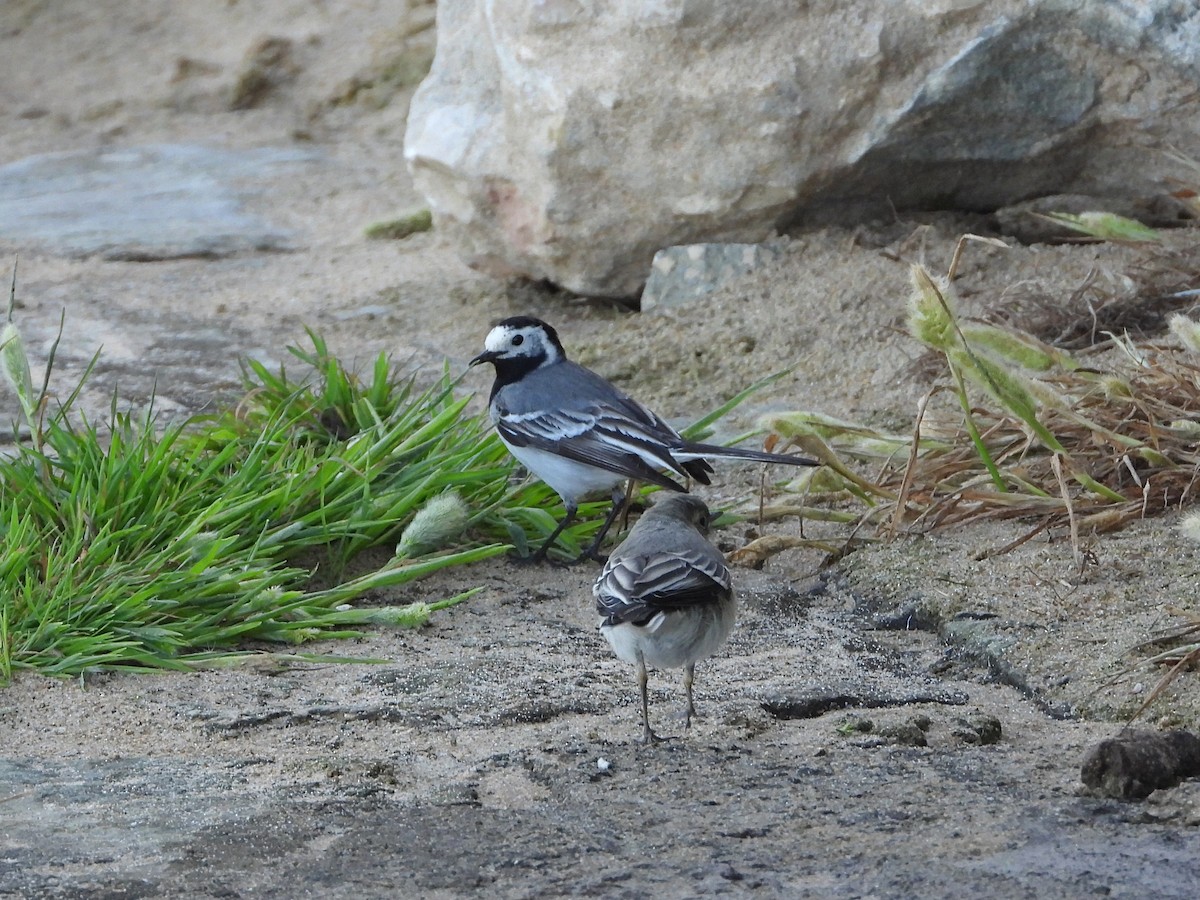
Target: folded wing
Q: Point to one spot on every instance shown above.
(633, 589)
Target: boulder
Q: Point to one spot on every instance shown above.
(570, 141)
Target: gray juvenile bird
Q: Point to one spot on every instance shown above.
(575, 431)
(666, 596)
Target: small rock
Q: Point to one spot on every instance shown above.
(682, 274)
(906, 734)
(979, 728)
(1133, 765)
(911, 616)
(855, 725)
(456, 794)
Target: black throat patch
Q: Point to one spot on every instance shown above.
(512, 370)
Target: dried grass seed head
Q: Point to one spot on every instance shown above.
(931, 310)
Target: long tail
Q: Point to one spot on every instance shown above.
(689, 451)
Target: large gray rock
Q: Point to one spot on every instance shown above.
(570, 140)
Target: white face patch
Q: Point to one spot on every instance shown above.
(498, 339)
(518, 342)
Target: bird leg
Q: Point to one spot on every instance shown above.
(648, 736)
(620, 499)
(630, 487)
(541, 555)
(689, 674)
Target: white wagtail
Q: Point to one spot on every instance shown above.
(666, 596)
(575, 431)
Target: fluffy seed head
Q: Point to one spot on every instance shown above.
(930, 312)
(1022, 349)
(440, 521)
(15, 363)
(1190, 527)
(1186, 330)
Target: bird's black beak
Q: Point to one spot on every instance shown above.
(485, 357)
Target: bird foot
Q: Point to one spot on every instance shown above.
(538, 558)
(649, 738)
(590, 556)
(534, 559)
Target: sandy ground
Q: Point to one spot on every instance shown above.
(496, 749)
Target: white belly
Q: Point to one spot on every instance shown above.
(676, 638)
(571, 480)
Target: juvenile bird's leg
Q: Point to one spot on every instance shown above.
(648, 736)
(689, 674)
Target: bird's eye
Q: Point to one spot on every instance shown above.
(703, 523)
(518, 340)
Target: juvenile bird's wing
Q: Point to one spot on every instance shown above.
(633, 588)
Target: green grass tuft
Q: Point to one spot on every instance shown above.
(138, 545)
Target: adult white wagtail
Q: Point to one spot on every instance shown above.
(666, 596)
(575, 431)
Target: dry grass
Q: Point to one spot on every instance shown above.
(1128, 436)
(1092, 440)
(1136, 302)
